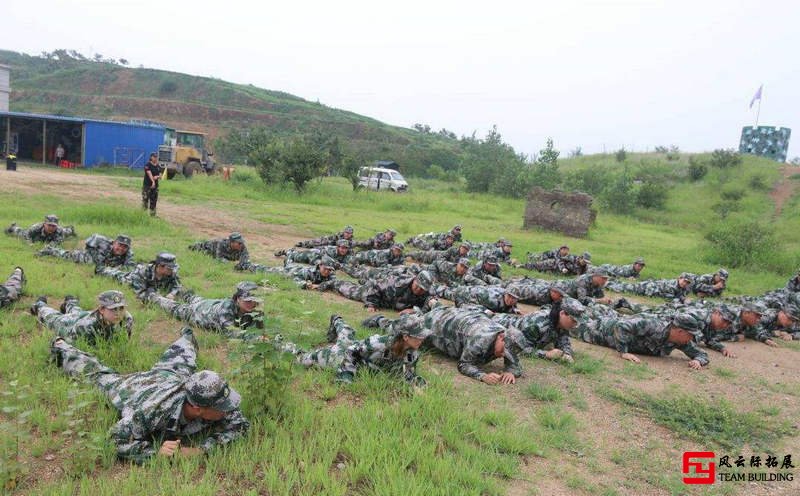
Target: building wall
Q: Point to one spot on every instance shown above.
(5, 87)
(115, 143)
(766, 141)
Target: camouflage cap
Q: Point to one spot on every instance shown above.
(558, 290)
(398, 246)
(723, 273)
(573, 307)
(391, 231)
(599, 271)
(563, 246)
(512, 293)
(244, 292)
(424, 280)
(208, 389)
(463, 261)
(467, 244)
(348, 229)
(166, 259)
(727, 312)
(123, 240)
(343, 242)
(687, 275)
(111, 299)
(51, 219)
(326, 261)
(639, 261)
(689, 323)
(755, 307)
(586, 255)
(490, 260)
(507, 243)
(412, 324)
(235, 236)
(456, 227)
(515, 340)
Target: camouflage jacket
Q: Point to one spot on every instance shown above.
(77, 323)
(220, 315)
(496, 252)
(36, 234)
(328, 240)
(364, 273)
(621, 271)
(392, 292)
(143, 279)
(648, 336)
(305, 275)
(375, 353)
(489, 297)
(477, 276)
(538, 330)
(451, 254)
(531, 291)
(378, 258)
(311, 256)
(468, 335)
(444, 272)
(151, 404)
(377, 242)
(99, 247)
(711, 337)
(220, 249)
(705, 284)
(654, 288)
(580, 288)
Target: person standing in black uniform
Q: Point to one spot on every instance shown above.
(152, 174)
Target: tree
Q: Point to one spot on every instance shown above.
(349, 168)
(725, 159)
(297, 160)
(123, 61)
(621, 155)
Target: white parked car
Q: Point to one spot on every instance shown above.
(377, 178)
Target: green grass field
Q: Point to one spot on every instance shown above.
(597, 427)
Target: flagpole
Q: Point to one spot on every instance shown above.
(760, 97)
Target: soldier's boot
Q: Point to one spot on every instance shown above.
(67, 300)
(39, 303)
(332, 332)
(622, 303)
(10, 229)
(22, 278)
(280, 253)
(372, 322)
(55, 351)
(47, 250)
(69, 231)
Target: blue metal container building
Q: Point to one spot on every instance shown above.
(88, 142)
(120, 143)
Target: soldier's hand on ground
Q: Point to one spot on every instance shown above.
(491, 378)
(728, 353)
(605, 301)
(169, 448)
(631, 357)
(695, 365)
(720, 285)
(740, 337)
(313, 286)
(372, 309)
(190, 452)
(406, 311)
(770, 342)
(507, 378)
(553, 354)
(568, 358)
(784, 335)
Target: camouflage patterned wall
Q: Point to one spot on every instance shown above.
(766, 141)
(569, 213)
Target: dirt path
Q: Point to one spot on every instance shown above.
(785, 188)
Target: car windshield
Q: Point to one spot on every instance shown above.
(397, 177)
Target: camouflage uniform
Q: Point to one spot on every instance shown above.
(435, 240)
(648, 335)
(580, 288)
(393, 292)
(597, 327)
(364, 273)
(221, 315)
(479, 276)
(444, 272)
(97, 251)
(654, 288)
(151, 403)
(701, 317)
(378, 258)
(793, 285)
(11, 290)
(497, 252)
(303, 275)
(490, 297)
(346, 354)
(76, 323)
(312, 256)
(539, 331)
(531, 291)
(36, 234)
(378, 242)
(143, 279)
(451, 254)
(329, 240)
(620, 271)
(220, 249)
(704, 285)
(468, 335)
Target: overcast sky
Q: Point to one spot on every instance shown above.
(598, 75)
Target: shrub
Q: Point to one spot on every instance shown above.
(697, 170)
(436, 172)
(593, 180)
(725, 159)
(758, 183)
(621, 155)
(168, 87)
(733, 194)
(740, 243)
(297, 160)
(619, 197)
(652, 195)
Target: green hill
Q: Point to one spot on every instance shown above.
(67, 84)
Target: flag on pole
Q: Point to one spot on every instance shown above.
(757, 96)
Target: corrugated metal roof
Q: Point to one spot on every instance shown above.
(50, 117)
